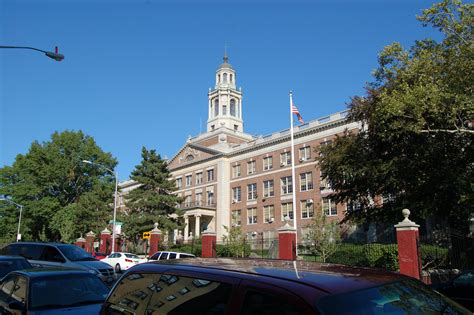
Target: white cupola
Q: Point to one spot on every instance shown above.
(225, 101)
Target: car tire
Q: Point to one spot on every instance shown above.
(117, 268)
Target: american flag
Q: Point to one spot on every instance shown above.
(295, 110)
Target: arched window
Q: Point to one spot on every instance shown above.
(218, 78)
(189, 158)
(231, 78)
(232, 107)
(224, 110)
(225, 78)
(216, 107)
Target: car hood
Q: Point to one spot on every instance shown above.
(77, 310)
(93, 264)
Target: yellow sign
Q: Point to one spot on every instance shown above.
(146, 235)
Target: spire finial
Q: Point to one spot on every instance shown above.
(226, 58)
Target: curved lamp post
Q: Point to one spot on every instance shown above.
(114, 174)
(18, 235)
(53, 55)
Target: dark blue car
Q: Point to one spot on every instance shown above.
(12, 263)
(51, 291)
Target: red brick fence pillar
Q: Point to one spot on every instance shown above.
(155, 237)
(287, 242)
(105, 242)
(89, 245)
(81, 242)
(208, 249)
(408, 241)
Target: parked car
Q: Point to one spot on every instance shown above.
(60, 255)
(164, 255)
(122, 261)
(51, 291)
(99, 255)
(12, 263)
(264, 287)
(460, 289)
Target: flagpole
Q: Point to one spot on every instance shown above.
(293, 178)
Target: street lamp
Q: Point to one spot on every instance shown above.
(18, 235)
(115, 174)
(53, 55)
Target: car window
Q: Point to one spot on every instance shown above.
(67, 290)
(75, 253)
(8, 283)
(14, 264)
(261, 303)
(29, 251)
(172, 256)
(186, 256)
(155, 294)
(155, 256)
(52, 254)
(20, 289)
(465, 279)
(403, 297)
(132, 256)
(164, 256)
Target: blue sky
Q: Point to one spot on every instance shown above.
(137, 72)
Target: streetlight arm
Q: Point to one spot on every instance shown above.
(100, 165)
(53, 55)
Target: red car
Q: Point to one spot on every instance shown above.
(99, 256)
(269, 287)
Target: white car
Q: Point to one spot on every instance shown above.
(122, 261)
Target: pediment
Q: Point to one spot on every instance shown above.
(191, 153)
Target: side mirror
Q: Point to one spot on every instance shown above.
(16, 305)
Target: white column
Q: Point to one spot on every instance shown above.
(197, 226)
(186, 228)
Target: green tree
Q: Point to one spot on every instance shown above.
(62, 197)
(415, 147)
(154, 200)
(323, 236)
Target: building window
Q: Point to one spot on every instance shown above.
(286, 185)
(353, 206)
(189, 158)
(231, 77)
(213, 127)
(267, 163)
(323, 144)
(225, 77)
(252, 215)
(216, 107)
(236, 171)
(210, 198)
(305, 153)
(236, 194)
(252, 192)
(224, 110)
(324, 182)
(287, 210)
(329, 207)
(199, 178)
(179, 183)
(306, 181)
(285, 158)
(210, 175)
(251, 167)
(232, 107)
(307, 209)
(268, 190)
(236, 127)
(236, 218)
(268, 214)
(188, 201)
(189, 179)
(198, 199)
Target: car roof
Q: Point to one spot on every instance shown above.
(48, 272)
(40, 243)
(330, 278)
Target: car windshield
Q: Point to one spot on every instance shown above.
(404, 297)
(132, 256)
(75, 253)
(67, 290)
